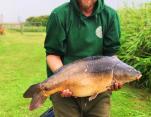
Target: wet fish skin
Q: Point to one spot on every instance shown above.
(85, 77)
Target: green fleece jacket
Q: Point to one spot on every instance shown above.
(73, 36)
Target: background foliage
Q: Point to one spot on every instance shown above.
(37, 21)
(136, 41)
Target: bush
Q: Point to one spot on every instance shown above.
(136, 41)
(37, 21)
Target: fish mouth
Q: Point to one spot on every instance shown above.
(139, 76)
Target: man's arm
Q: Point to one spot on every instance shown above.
(111, 43)
(54, 62)
(116, 85)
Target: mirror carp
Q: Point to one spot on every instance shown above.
(85, 77)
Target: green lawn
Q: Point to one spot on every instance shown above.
(22, 63)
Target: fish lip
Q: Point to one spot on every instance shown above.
(139, 76)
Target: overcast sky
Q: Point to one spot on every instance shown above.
(14, 10)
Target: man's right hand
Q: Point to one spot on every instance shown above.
(66, 93)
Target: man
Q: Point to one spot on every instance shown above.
(75, 30)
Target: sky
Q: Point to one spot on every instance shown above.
(19, 10)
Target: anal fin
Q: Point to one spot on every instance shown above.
(93, 97)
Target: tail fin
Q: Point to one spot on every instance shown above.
(37, 100)
(32, 90)
(39, 94)
(35, 92)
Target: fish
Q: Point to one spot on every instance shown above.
(86, 77)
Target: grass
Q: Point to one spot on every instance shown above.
(131, 102)
(22, 63)
(33, 29)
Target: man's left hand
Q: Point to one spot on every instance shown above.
(116, 86)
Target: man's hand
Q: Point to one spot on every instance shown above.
(116, 86)
(66, 93)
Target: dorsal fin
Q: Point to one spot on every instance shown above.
(92, 58)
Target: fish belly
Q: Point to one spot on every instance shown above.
(87, 84)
